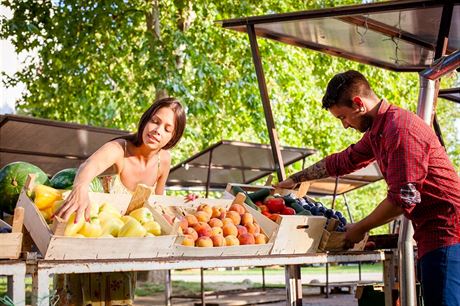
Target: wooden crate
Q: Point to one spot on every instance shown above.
(294, 234)
(54, 246)
(11, 243)
(335, 241)
(177, 207)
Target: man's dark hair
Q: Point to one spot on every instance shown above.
(343, 87)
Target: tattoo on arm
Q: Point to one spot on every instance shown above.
(314, 172)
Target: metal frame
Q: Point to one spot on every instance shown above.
(41, 270)
(451, 94)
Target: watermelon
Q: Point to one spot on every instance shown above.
(12, 178)
(64, 180)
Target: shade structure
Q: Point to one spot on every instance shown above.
(346, 183)
(230, 161)
(396, 35)
(50, 145)
(452, 94)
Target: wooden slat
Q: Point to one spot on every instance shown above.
(18, 220)
(239, 198)
(10, 245)
(140, 196)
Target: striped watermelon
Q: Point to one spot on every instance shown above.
(12, 179)
(64, 180)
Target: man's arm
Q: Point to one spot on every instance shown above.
(382, 214)
(314, 172)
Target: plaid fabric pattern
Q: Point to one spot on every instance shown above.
(420, 177)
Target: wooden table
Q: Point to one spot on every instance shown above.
(16, 272)
(41, 270)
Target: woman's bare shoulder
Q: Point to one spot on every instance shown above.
(165, 157)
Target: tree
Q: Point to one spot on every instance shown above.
(103, 62)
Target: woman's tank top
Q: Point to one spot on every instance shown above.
(116, 185)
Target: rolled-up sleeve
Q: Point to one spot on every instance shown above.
(353, 158)
(407, 168)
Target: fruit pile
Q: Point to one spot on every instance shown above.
(273, 206)
(214, 226)
(105, 219)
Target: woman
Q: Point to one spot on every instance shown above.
(138, 158)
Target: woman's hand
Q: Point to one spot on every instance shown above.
(286, 184)
(191, 197)
(78, 202)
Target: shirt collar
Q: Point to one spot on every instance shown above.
(377, 125)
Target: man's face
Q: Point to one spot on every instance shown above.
(352, 117)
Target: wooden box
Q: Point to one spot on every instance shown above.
(335, 241)
(177, 207)
(11, 243)
(296, 234)
(53, 246)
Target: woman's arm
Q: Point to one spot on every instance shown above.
(78, 201)
(165, 165)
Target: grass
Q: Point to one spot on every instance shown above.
(365, 268)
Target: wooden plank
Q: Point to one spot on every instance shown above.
(58, 226)
(34, 223)
(298, 234)
(10, 245)
(140, 196)
(239, 198)
(303, 189)
(18, 220)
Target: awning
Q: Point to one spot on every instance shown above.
(230, 162)
(396, 35)
(50, 145)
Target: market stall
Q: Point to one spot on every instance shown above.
(396, 35)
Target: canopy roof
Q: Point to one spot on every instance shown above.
(231, 161)
(452, 94)
(396, 35)
(50, 145)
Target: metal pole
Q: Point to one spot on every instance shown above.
(327, 280)
(277, 158)
(208, 179)
(168, 288)
(263, 278)
(203, 297)
(348, 208)
(335, 191)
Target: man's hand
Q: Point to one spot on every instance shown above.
(354, 233)
(286, 184)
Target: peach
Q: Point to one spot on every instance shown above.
(183, 223)
(246, 239)
(214, 222)
(217, 231)
(253, 228)
(247, 218)
(227, 221)
(218, 212)
(203, 229)
(204, 242)
(191, 232)
(218, 240)
(231, 240)
(202, 216)
(188, 241)
(235, 216)
(238, 208)
(241, 230)
(260, 239)
(206, 208)
(192, 220)
(230, 229)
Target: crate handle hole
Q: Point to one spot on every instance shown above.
(303, 226)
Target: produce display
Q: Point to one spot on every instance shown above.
(215, 226)
(273, 206)
(105, 219)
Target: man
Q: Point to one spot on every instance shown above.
(422, 182)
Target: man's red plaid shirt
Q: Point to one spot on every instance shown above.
(420, 177)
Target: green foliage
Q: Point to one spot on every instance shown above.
(103, 62)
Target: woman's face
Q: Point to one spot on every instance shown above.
(160, 128)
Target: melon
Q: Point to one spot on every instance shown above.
(12, 178)
(64, 180)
